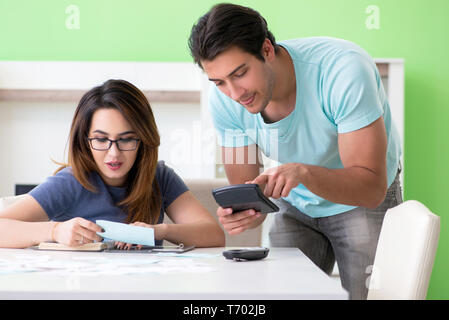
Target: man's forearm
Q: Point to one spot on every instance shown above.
(239, 174)
(356, 186)
(238, 166)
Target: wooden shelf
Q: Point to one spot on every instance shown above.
(74, 95)
(23, 95)
(383, 69)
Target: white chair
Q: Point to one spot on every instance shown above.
(405, 253)
(7, 201)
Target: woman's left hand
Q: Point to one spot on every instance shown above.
(159, 234)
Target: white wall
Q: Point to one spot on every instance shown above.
(32, 134)
(187, 145)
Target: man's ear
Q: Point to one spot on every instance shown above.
(268, 52)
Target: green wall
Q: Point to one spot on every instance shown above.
(146, 30)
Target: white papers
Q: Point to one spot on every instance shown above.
(187, 254)
(126, 233)
(179, 266)
(95, 265)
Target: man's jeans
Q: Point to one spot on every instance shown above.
(350, 238)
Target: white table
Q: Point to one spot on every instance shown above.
(284, 275)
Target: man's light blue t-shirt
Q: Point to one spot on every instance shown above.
(338, 90)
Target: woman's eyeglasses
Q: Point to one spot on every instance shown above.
(103, 144)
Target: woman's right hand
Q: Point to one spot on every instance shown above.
(76, 231)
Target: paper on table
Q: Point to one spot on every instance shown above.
(77, 265)
(96, 265)
(188, 255)
(126, 233)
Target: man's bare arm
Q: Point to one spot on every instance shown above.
(241, 164)
(362, 181)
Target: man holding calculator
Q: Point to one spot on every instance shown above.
(317, 107)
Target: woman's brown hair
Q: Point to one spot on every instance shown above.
(143, 199)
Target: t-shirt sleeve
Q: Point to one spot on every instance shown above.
(229, 130)
(352, 88)
(170, 184)
(57, 193)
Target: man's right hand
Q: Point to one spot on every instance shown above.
(235, 223)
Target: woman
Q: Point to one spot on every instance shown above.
(112, 174)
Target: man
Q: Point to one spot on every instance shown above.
(318, 108)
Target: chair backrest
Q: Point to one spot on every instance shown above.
(405, 253)
(202, 190)
(7, 201)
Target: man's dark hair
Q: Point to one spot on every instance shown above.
(227, 25)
